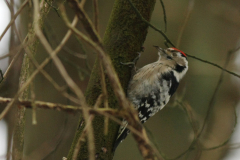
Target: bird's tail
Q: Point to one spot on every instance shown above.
(120, 138)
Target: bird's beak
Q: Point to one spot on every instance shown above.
(160, 49)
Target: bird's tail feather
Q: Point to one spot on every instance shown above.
(120, 138)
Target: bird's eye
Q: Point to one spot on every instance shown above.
(169, 57)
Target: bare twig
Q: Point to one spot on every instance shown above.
(55, 59)
(188, 110)
(34, 108)
(54, 8)
(13, 18)
(50, 79)
(105, 58)
(75, 54)
(96, 13)
(45, 74)
(66, 77)
(81, 138)
(1, 74)
(216, 65)
(13, 61)
(84, 52)
(212, 101)
(46, 105)
(75, 66)
(198, 134)
(227, 140)
(189, 11)
(164, 15)
(19, 48)
(56, 141)
(87, 24)
(104, 90)
(149, 24)
(111, 113)
(82, 3)
(90, 135)
(23, 87)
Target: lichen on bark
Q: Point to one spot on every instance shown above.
(18, 135)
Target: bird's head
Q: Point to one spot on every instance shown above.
(172, 54)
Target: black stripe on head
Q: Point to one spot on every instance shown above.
(179, 68)
(169, 76)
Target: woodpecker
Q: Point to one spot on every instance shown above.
(152, 86)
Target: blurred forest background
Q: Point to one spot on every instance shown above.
(211, 31)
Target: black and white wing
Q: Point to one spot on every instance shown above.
(147, 97)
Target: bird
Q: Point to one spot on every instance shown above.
(152, 86)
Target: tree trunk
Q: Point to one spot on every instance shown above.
(18, 137)
(124, 37)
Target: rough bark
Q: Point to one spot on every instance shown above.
(18, 137)
(124, 37)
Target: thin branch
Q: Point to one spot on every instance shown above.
(6, 55)
(216, 65)
(23, 87)
(13, 18)
(90, 135)
(81, 138)
(28, 81)
(164, 15)
(80, 69)
(229, 137)
(212, 101)
(56, 141)
(45, 74)
(149, 24)
(50, 79)
(104, 90)
(66, 77)
(96, 13)
(14, 59)
(2, 77)
(189, 11)
(87, 24)
(75, 54)
(54, 83)
(53, 35)
(187, 108)
(105, 58)
(84, 52)
(192, 122)
(55, 59)
(59, 107)
(82, 3)
(54, 8)
(111, 113)
(34, 111)
(19, 48)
